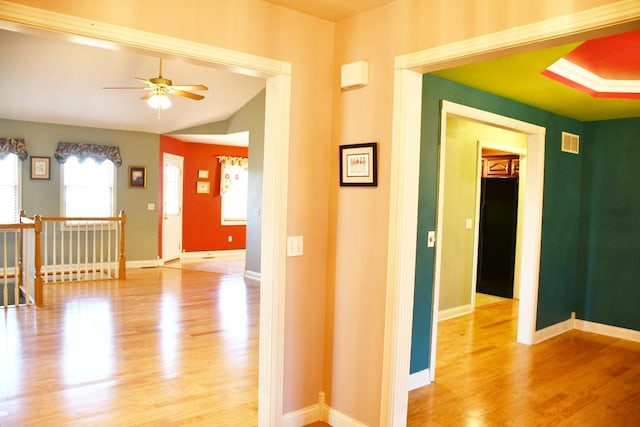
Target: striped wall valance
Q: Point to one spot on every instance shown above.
(85, 151)
(13, 146)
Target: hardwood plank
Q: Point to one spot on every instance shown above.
(164, 347)
(484, 377)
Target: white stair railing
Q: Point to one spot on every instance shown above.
(82, 248)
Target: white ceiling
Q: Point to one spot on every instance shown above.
(46, 78)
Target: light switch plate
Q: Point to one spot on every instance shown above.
(295, 246)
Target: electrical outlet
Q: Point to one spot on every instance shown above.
(229, 238)
(295, 245)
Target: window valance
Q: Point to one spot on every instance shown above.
(13, 146)
(84, 151)
(231, 168)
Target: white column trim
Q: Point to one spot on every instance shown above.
(403, 222)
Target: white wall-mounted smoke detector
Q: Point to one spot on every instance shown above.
(355, 74)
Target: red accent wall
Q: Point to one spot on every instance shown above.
(201, 228)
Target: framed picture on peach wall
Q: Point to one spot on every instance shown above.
(359, 164)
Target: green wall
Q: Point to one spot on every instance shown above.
(136, 148)
(251, 117)
(610, 228)
(561, 211)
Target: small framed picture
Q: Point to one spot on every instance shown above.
(359, 164)
(203, 173)
(40, 167)
(137, 177)
(203, 187)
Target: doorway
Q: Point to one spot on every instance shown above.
(532, 223)
(172, 167)
(275, 191)
(503, 165)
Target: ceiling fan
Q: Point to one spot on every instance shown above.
(159, 87)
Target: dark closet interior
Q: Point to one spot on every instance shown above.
(498, 224)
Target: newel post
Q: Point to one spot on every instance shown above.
(122, 262)
(37, 280)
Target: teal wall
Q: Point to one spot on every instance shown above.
(561, 211)
(610, 237)
(136, 148)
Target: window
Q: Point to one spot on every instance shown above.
(234, 201)
(233, 189)
(9, 189)
(88, 188)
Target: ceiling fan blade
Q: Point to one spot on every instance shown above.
(126, 87)
(147, 95)
(190, 87)
(190, 95)
(145, 81)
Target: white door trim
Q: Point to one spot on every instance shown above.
(407, 105)
(275, 175)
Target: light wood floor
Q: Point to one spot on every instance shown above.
(166, 347)
(484, 378)
(178, 346)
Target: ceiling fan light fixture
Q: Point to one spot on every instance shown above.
(159, 101)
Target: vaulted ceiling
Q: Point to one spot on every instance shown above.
(57, 79)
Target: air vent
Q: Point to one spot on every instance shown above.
(570, 143)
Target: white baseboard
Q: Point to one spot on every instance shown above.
(608, 330)
(450, 313)
(252, 275)
(319, 412)
(338, 419)
(143, 263)
(233, 253)
(302, 417)
(553, 330)
(419, 379)
(586, 326)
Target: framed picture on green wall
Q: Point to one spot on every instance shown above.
(137, 177)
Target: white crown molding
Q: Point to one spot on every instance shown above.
(586, 78)
(565, 26)
(41, 19)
